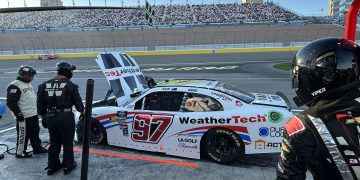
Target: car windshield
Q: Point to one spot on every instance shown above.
(234, 91)
(135, 95)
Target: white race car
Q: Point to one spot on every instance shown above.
(184, 117)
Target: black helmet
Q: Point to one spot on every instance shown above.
(26, 70)
(323, 65)
(65, 68)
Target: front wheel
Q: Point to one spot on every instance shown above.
(97, 132)
(223, 146)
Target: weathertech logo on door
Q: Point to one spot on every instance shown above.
(211, 120)
(56, 89)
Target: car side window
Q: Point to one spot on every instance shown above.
(201, 103)
(161, 101)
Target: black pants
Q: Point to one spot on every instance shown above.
(61, 127)
(28, 129)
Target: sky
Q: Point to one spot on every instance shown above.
(306, 7)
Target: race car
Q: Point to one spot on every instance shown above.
(47, 56)
(184, 117)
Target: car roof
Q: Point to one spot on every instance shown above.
(202, 83)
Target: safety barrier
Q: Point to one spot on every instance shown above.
(157, 53)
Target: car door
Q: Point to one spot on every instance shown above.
(152, 116)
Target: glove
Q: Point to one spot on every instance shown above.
(82, 117)
(19, 117)
(44, 121)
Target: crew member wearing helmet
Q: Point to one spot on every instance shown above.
(56, 98)
(324, 138)
(21, 100)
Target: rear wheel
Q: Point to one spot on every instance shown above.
(97, 132)
(222, 145)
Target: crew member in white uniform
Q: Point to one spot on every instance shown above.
(21, 100)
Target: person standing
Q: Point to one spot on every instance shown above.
(55, 100)
(21, 100)
(324, 138)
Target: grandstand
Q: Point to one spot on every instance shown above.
(165, 15)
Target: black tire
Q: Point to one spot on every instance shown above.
(222, 145)
(97, 132)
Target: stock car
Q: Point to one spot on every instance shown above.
(47, 56)
(184, 117)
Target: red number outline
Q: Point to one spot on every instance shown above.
(142, 125)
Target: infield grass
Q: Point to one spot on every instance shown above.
(283, 66)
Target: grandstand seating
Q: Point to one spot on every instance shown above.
(170, 15)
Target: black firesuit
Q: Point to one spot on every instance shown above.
(20, 90)
(324, 138)
(55, 100)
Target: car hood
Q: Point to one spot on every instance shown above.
(269, 100)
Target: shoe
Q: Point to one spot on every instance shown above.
(24, 155)
(40, 151)
(68, 170)
(51, 171)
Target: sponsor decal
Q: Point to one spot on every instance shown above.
(199, 131)
(212, 120)
(187, 140)
(165, 89)
(221, 96)
(121, 71)
(123, 125)
(174, 89)
(187, 146)
(206, 120)
(262, 144)
(192, 90)
(238, 103)
(272, 131)
(150, 128)
(251, 119)
(112, 73)
(112, 119)
(264, 131)
(25, 90)
(275, 116)
(13, 91)
(320, 91)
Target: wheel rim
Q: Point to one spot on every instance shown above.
(222, 145)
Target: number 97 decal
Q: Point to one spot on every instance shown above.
(150, 128)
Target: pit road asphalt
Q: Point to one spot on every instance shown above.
(251, 72)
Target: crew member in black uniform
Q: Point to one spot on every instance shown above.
(21, 100)
(324, 138)
(56, 98)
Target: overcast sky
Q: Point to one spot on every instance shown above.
(303, 7)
